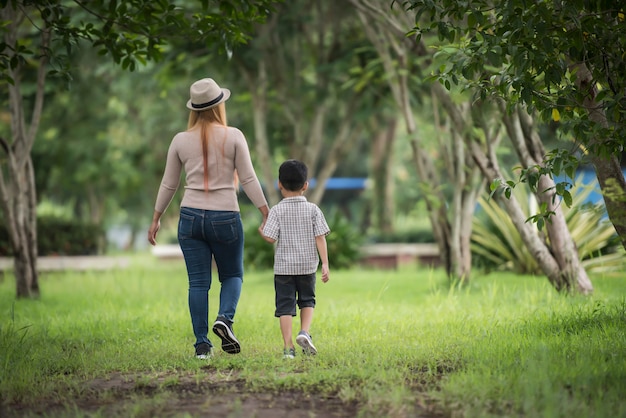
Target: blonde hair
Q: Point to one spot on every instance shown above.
(212, 116)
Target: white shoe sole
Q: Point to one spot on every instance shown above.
(230, 344)
(306, 344)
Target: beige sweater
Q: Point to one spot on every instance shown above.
(228, 152)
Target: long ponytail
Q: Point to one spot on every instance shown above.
(215, 115)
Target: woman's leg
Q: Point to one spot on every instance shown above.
(197, 254)
(226, 238)
(229, 297)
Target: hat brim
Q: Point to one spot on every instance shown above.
(225, 97)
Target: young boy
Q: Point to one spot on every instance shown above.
(300, 230)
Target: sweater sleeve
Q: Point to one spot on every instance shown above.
(171, 179)
(245, 170)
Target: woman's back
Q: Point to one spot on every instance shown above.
(227, 152)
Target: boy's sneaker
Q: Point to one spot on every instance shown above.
(304, 340)
(289, 353)
(222, 327)
(203, 351)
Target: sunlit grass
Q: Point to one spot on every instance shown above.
(504, 345)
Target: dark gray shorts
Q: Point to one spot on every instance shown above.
(290, 290)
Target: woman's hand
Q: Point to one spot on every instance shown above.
(152, 232)
(154, 228)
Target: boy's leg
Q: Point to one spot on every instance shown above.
(306, 318)
(286, 329)
(306, 303)
(285, 288)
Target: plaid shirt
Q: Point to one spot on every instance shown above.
(294, 223)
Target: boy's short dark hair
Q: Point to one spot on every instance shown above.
(292, 174)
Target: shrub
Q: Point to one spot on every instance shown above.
(56, 236)
(343, 243)
(258, 254)
(496, 244)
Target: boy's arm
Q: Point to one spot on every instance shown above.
(268, 239)
(269, 227)
(322, 249)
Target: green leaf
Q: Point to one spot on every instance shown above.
(557, 166)
(494, 58)
(471, 20)
(567, 197)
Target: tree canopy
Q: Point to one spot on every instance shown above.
(563, 59)
(39, 39)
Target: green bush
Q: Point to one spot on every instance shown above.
(258, 254)
(56, 236)
(343, 245)
(496, 244)
(412, 236)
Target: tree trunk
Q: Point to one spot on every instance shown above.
(308, 108)
(382, 155)
(435, 205)
(608, 171)
(25, 245)
(466, 175)
(19, 208)
(613, 185)
(531, 153)
(527, 231)
(386, 29)
(257, 85)
(559, 260)
(467, 182)
(397, 71)
(347, 136)
(17, 190)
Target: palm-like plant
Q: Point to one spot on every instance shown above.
(496, 244)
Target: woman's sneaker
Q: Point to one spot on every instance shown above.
(304, 340)
(203, 351)
(222, 327)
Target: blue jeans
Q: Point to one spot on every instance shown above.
(205, 235)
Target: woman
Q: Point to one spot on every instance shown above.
(215, 158)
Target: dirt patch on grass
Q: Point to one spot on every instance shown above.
(171, 395)
(210, 393)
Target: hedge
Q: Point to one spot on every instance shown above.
(61, 237)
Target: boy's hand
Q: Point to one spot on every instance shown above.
(325, 273)
(268, 239)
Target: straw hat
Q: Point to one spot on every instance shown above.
(205, 94)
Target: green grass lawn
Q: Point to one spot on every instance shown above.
(393, 342)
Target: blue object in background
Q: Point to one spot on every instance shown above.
(342, 183)
(339, 183)
(587, 176)
(584, 176)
